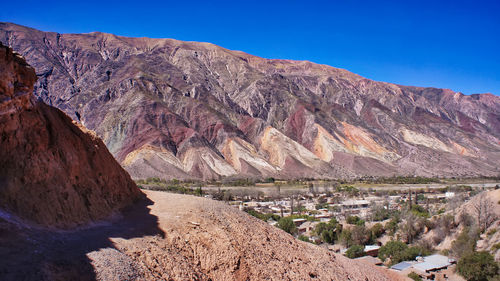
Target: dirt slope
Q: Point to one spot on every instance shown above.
(177, 237)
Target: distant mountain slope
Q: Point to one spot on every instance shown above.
(174, 109)
(52, 172)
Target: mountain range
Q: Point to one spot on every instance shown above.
(188, 110)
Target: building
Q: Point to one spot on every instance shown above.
(427, 267)
(307, 227)
(371, 250)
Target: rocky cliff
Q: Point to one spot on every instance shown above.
(52, 171)
(176, 109)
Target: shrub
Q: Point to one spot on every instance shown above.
(392, 226)
(419, 211)
(377, 230)
(304, 238)
(477, 266)
(287, 225)
(355, 220)
(415, 276)
(355, 251)
(264, 217)
(379, 213)
(398, 251)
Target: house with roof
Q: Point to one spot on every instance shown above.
(426, 267)
(371, 250)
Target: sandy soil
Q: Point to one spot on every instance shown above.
(172, 237)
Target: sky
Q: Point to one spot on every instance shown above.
(439, 43)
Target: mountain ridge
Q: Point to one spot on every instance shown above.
(197, 110)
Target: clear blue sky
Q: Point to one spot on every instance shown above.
(446, 44)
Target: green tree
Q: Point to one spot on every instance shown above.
(360, 235)
(345, 238)
(392, 250)
(377, 230)
(355, 220)
(287, 225)
(465, 242)
(328, 231)
(355, 251)
(477, 266)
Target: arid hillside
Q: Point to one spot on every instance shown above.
(173, 109)
(174, 237)
(52, 171)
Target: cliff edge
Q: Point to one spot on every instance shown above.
(52, 172)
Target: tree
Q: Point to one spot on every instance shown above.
(287, 225)
(377, 230)
(477, 266)
(465, 242)
(328, 231)
(360, 235)
(379, 213)
(391, 250)
(345, 238)
(355, 251)
(483, 209)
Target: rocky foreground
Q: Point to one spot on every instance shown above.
(174, 237)
(173, 109)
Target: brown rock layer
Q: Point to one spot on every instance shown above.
(52, 171)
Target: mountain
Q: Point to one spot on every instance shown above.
(53, 172)
(174, 109)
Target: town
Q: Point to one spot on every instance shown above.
(408, 228)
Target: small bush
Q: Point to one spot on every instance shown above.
(355, 251)
(415, 276)
(304, 238)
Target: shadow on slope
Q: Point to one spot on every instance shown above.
(31, 253)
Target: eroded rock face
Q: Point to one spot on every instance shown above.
(167, 108)
(52, 171)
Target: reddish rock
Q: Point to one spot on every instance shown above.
(52, 171)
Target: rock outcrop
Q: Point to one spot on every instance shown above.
(167, 108)
(52, 171)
